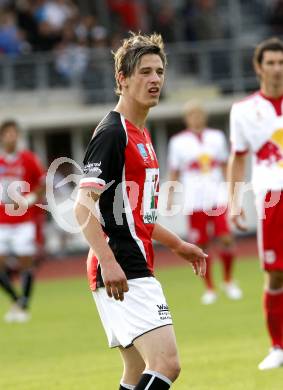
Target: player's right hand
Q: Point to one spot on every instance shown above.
(115, 280)
(239, 221)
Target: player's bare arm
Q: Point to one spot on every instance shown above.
(189, 252)
(173, 176)
(236, 175)
(224, 168)
(113, 276)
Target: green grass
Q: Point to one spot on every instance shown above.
(64, 346)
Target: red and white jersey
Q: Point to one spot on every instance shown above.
(199, 158)
(120, 163)
(23, 167)
(257, 126)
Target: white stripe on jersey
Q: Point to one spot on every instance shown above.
(124, 125)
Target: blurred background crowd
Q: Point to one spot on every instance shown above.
(56, 67)
(45, 25)
(68, 28)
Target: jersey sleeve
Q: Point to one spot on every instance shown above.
(104, 159)
(36, 171)
(238, 139)
(174, 161)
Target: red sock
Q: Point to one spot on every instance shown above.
(273, 307)
(227, 258)
(208, 275)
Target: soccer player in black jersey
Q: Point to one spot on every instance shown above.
(116, 208)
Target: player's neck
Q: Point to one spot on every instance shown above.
(271, 91)
(10, 151)
(197, 130)
(133, 113)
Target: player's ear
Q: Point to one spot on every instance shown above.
(123, 80)
(257, 68)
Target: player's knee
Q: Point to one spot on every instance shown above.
(169, 366)
(226, 241)
(174, 368)
(275, 280)
(133, 372)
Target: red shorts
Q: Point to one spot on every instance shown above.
(203, 227)
(270, 236)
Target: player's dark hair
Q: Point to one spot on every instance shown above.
(129, 54)
(271, 44)
(7, 124)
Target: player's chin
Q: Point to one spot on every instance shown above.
(153, 102)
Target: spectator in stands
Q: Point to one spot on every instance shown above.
(164, 22)
(275, 17)
(11, 38)
(90, 31)
(26, 21)
(71, 55)
(205, 21)
(127, 12)
(57, 13)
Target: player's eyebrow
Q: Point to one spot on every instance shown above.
(150, 68)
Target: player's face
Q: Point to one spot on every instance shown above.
(9, 139)
(145, 84)
(270, 70)
(196, 119)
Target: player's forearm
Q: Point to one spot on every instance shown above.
(224, 168)
(166, 237)
(39, 191)
(173, 177)
(93, 233)
(235, 175)
(33, 196)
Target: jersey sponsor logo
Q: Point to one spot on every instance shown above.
(205, 162)
(142, 151)
(163, 312)
(93, 168)
(150, 195)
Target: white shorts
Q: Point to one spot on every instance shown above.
(17, 239)
(144, 308)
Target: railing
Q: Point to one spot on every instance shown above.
(224, 63)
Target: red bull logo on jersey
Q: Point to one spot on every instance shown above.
(272, 151)
(277, 138)
(205, 162)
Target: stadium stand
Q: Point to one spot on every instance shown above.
(56, 60)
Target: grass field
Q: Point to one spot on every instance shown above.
(64, 346)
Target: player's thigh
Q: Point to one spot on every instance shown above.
(198, 228)
(6, 232)
(133, 362)
(270, 237)
(158, 347)
(221, 228)
(23, 241)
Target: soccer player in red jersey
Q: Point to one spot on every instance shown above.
(121, 179)
(22, 183)
(257, 127)
(197, 156)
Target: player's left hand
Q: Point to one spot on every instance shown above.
(194, 255)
